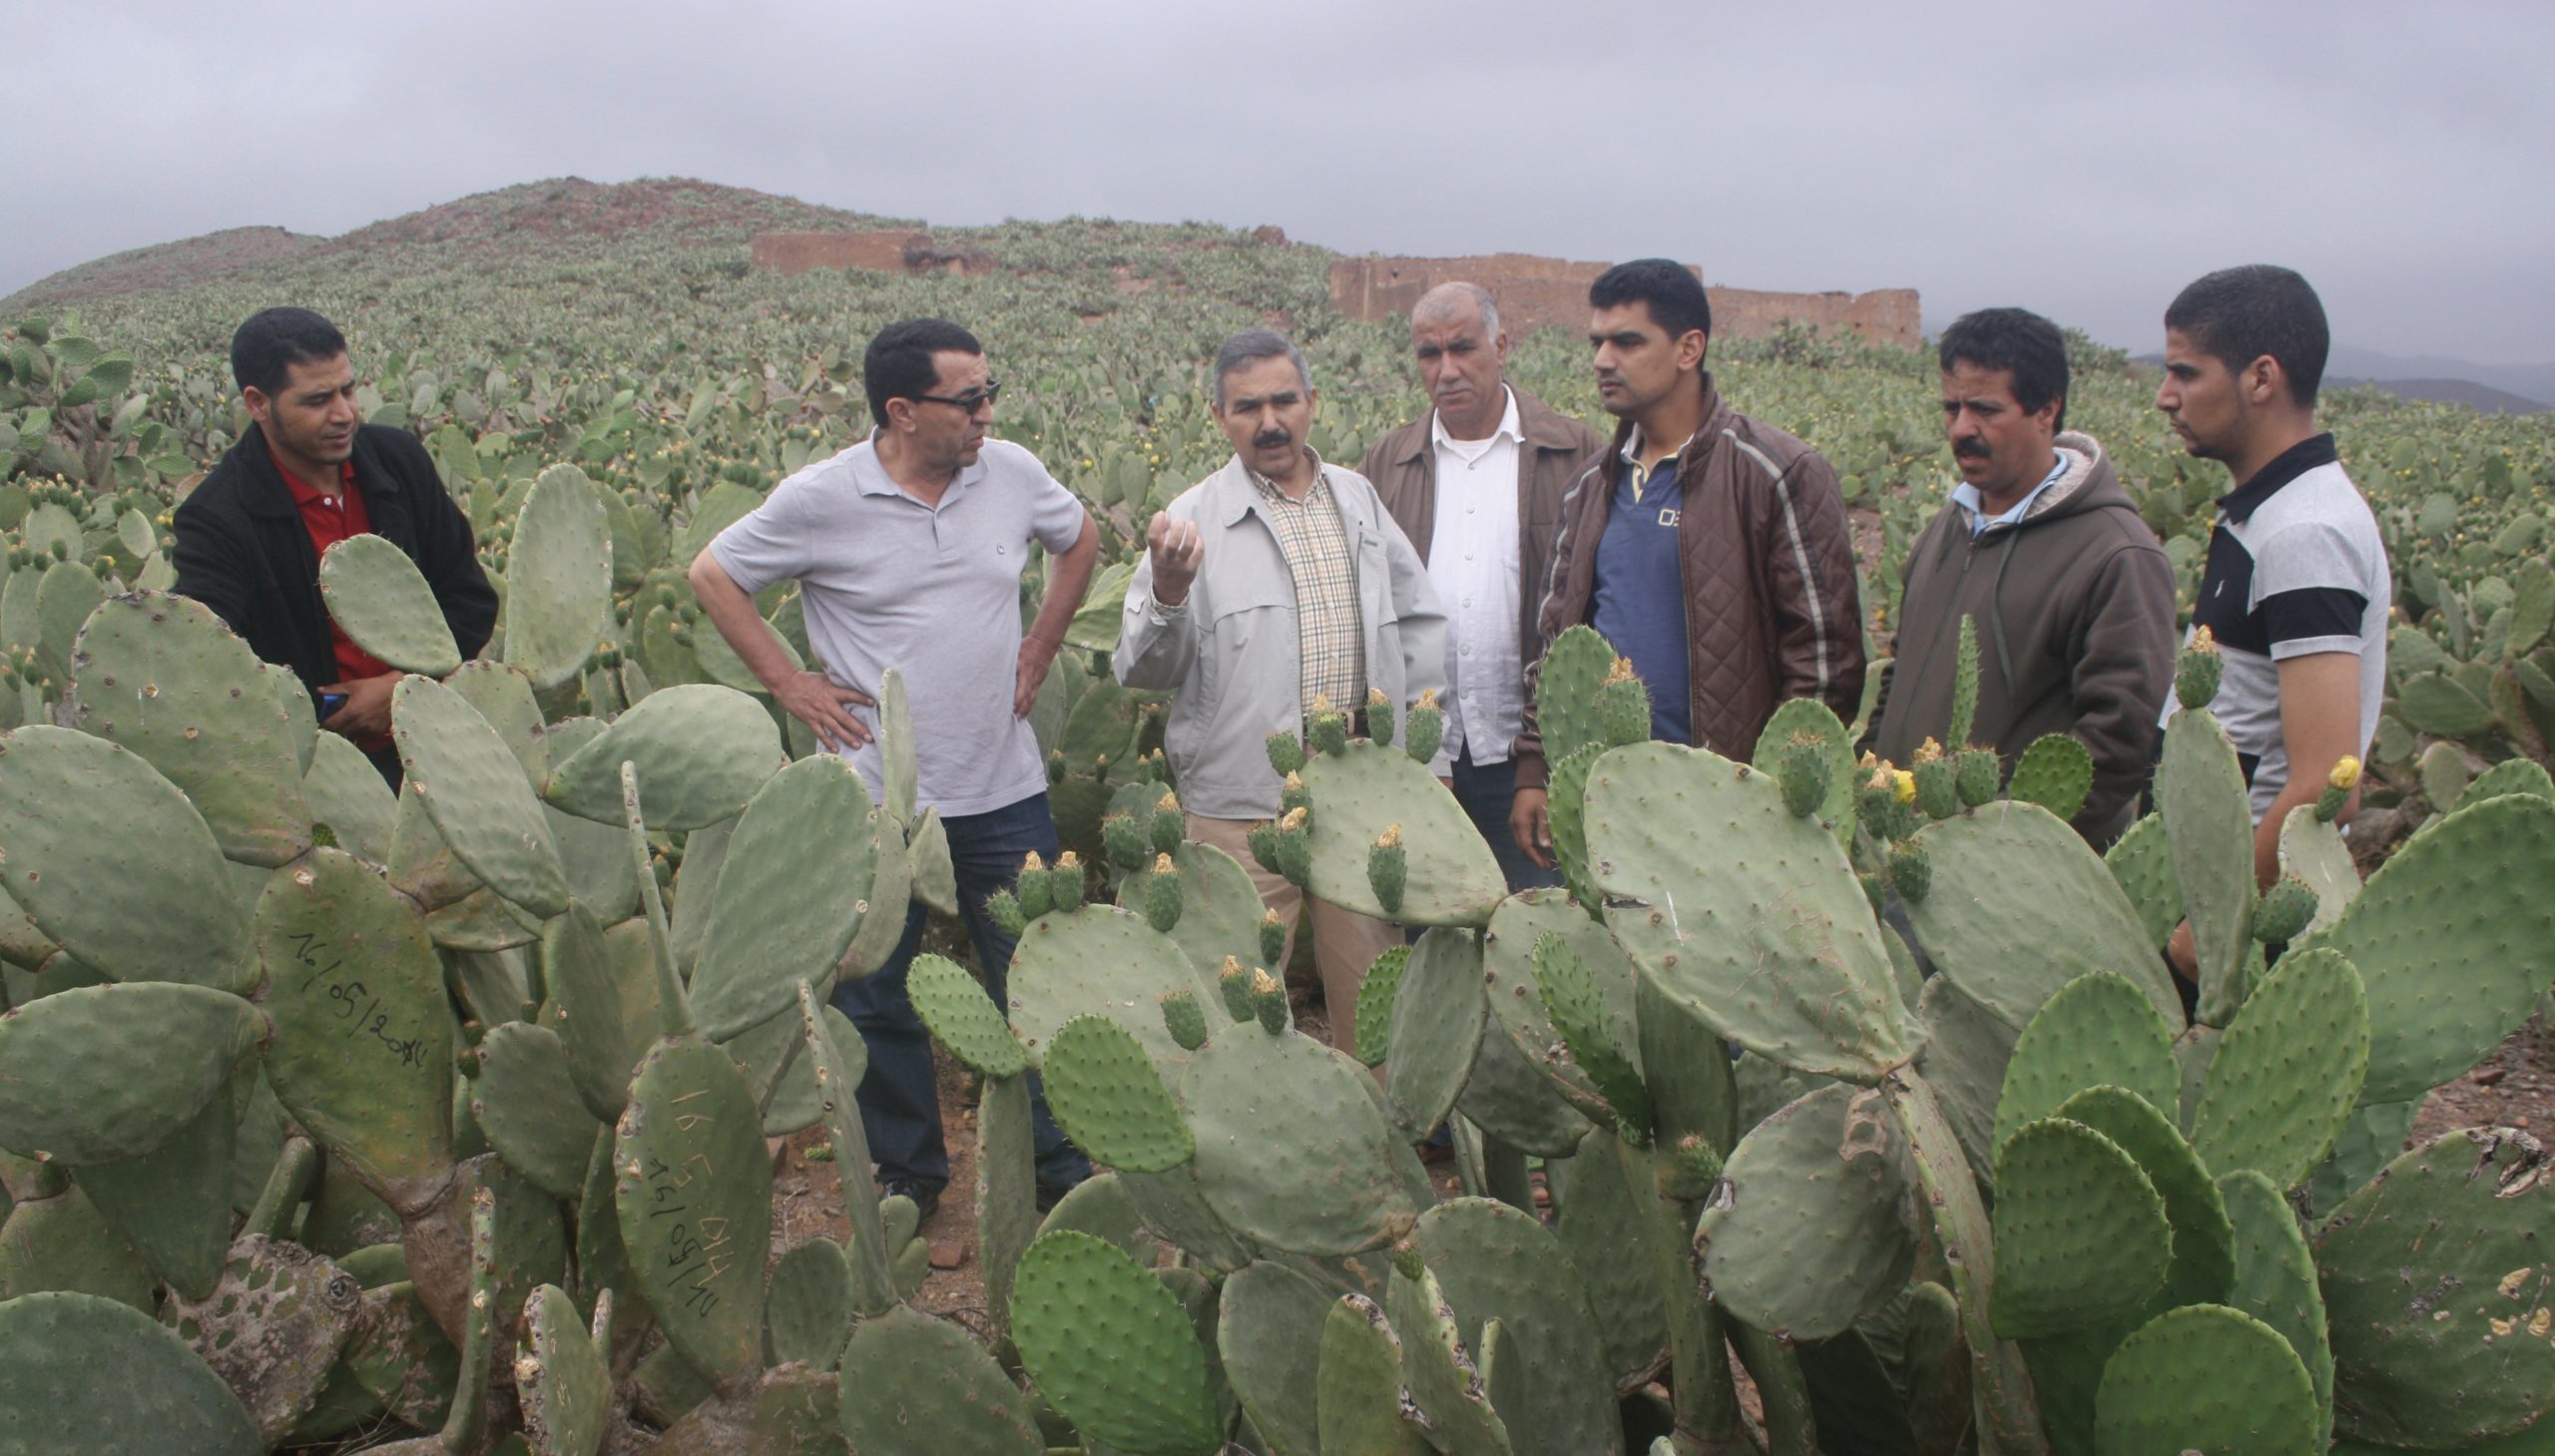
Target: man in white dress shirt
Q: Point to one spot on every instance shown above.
(1476, 485)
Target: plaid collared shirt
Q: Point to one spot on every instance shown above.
(1330, 638)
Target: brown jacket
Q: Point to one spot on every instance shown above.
(2075, 612)
(1771, 609)
(1403, 468)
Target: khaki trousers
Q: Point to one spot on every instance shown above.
(1345, 943)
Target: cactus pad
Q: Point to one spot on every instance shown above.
(527, 1103)
(788, 898)
(1105, 960)
(603, 1022)
(362, 1051)
(1106, 1093)
(557, 578)
(2200, 789)
(272, 1329)
(2288, 1071)
(1450, 876)
(702, 752)
(2437, 1279)
(1804, 728)
(1439, 1375)
(1517, 1006)
(2204, 1260)
(2211, 1379)
(2442, 992)
(1436, 1030)
(1743, 914)
(174, 1204)
(1566, 691)
(809, 1316)
(959, 1013)
(2275, 1278)
(56, 1345)
(1577, 1006)
(2021, 907)
(912, 1365)
(134, 903)
(1219, 907)
(1292, 1146)
(1269, 1329)
(162, 676)
(1360, 1384)
(2081, 1236)
(476, 791)
(1499, 1265)
(561, 1376)
(2143, 863)
(2097, 1030)
(1378, 994)
(103, 1073)
(1816, 1222)
(693, 1187)
(2055, 773)
(378, 597)
(1112, 1347)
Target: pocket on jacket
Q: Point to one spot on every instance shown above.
(1237, 639)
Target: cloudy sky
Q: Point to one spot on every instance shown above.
(2081, 159)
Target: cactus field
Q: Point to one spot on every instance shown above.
(443, 1121)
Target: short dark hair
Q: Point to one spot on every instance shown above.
(1675, 296)
(2239, 314)
(898, 362)
(1250, 347)
(264, 349)
(2019, 342)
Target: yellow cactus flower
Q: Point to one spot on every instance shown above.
(1904, 786)
(2346, 775)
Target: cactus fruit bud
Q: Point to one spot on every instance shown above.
(1380, 715)
(1034, 891)
(1234, 982)
(1691, 1170)
(1162, 894)
(1977, 777)
(1387, 867)
(1269, 999)
(1273, 937)
(1055, 766)
(2196, 674)
(1937, 782)
(1427, 727)
(1296, 848)
(1805, 775)
(1406, 1260)
(1170, 825)
(2337, 789)
(1910, 872)
(1327, 728)
(1186, 1019)
(1285, 753)
(1623, 706)
(2284, 911)
(1965, 684)
(1875, 797)
(1064, 880)
(1263, 840)
(1122, 842)
(1293, 795)
(1004, 907)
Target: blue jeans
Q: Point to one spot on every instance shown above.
(899, 1100)
(1486, 790)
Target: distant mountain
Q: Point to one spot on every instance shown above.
(2533, 383)
(2448, 391)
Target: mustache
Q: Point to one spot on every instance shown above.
(1271, 441)
(1973, 450)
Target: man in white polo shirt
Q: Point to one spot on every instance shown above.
(909, 550)
(1477, 484)
(2296, 587)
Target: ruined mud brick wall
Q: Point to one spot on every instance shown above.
(885, 250)
(1551, 292)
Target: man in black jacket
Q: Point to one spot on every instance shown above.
(312, 473)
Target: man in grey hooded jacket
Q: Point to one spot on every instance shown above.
(2072, 598)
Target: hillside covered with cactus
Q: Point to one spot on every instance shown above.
(334, 1118)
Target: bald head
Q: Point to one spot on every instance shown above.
(1454, 334)
(1458, 303)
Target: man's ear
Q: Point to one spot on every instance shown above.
(2264, 381)
(1691, 349)
(258, 405)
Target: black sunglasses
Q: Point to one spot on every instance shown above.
(972, 401)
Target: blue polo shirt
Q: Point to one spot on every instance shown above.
(1640, 600)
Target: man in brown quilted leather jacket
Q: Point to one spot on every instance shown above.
(1710, 549)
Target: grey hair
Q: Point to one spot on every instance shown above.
(1481, 297)
(1250, 347)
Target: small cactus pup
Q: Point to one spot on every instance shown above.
(1427, 728)
(1286, 754)
(1805, 775)
(1976, 776)
(2337, 789)
(1294, 849)
(1689, 1171)
(1031, 892)
(1262, 839)
(1004, 907)
(1185, 1019)
(2197, 671)
(1169, 824)
(1234, 980)
(1123, 841)
(1327, 727)
(1291, 795)
(1380, 715)
(1272, 939)
(1387, 868)
(1966, 687)
(1064, 880)
(1162, 894)
(1937, 782)
(2283, 912)
(1269, 1000)
(1623, 706)
(1910, 872)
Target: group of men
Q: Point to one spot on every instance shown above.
(1713, 550)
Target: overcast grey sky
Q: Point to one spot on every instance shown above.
(2084, 159)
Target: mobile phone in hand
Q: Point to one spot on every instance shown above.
(329, 703)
